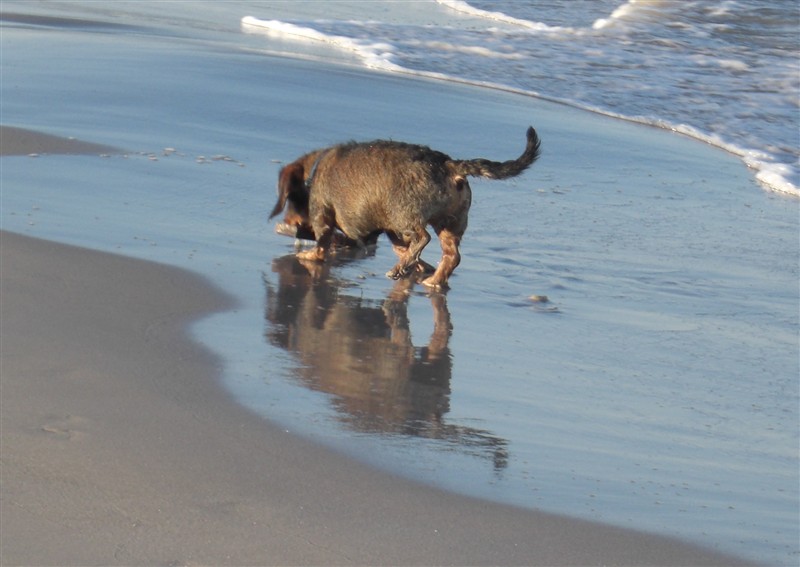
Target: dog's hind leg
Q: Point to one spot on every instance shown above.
(408, 247)
(400, 247)
(451, 258)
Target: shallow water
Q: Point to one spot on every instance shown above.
(656, 389)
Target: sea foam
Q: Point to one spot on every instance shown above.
(466, 8)
(374, 55)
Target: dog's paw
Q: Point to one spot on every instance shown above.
(401, 271)
(285, 229)
(314, 255)
(434, 284)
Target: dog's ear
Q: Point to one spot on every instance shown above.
(290, 179)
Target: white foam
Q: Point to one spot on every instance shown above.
(724, 9)
(620, 13)
(775, 176)
(770, 174)
(733, 65)
(374, 55)
(736, 65)
(465, 8)
(466, 49)
(379, 56)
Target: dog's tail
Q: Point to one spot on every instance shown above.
(497, 169)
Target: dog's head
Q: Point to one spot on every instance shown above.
(293, 195)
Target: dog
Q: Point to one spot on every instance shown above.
(371, 188)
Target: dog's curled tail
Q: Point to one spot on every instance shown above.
(497, 169)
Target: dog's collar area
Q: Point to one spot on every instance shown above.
(310, 179)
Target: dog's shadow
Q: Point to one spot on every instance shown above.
(360, 352)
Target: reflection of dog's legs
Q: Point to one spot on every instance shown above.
(317, 270)
(400, 291)
(442, 327)
(395, 309)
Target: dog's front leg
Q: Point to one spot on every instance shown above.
(318, 253)
(450, 259)
(322, 225)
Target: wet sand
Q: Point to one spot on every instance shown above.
(22, 142)
(119, 447)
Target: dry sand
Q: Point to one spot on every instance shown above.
(119, 447)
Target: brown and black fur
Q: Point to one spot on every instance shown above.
(365, 189)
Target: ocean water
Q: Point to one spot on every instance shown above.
(656, 389)
(726, 72)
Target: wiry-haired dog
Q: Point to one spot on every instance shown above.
(364, 189)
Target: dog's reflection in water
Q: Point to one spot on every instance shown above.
(360, 353)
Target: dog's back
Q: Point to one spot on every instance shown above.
(381, 185)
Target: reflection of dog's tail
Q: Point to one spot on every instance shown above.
(498, 169)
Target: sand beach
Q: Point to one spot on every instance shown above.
(120, 448)
(177, 390)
